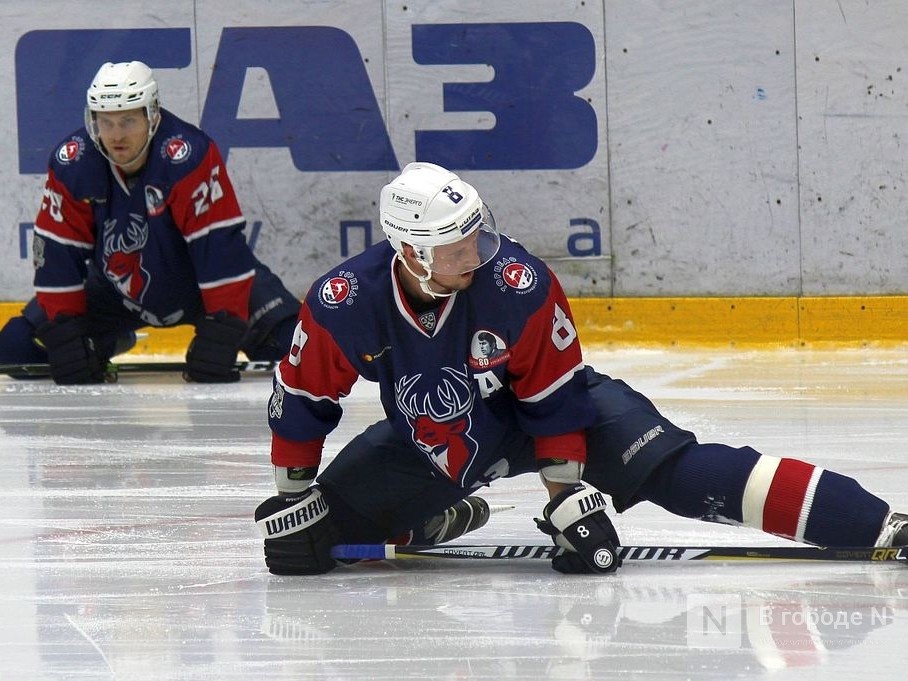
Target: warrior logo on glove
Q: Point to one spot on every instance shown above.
(591, 502)
(604, 558)
(298, 533)
(298, 517)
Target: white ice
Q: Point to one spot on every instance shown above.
(128, 551)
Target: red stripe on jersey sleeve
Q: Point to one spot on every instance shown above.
(536, 361)
(315, 364)
(63, 216)
(293, 454)
(233, 297)
(72, 303)
(570, 446)
(785, 497)
(205, 197)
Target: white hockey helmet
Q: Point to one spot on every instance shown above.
(121, 87)
(441, 217)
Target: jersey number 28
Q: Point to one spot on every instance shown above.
(207, 192)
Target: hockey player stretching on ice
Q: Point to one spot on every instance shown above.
(410, 314)
(140, 226)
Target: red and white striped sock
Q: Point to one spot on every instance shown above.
(779, 496)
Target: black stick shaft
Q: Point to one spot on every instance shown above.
(666, 554)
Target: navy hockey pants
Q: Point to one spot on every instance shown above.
(378, 487)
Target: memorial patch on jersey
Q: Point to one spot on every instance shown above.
(487, 349)
(71, 150)
(154, 200)
(176, 149)
(518, 276)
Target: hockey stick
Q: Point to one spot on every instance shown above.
(43, 370)
(667, 554)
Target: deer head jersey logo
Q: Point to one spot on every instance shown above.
(441, 421)
(123, 257)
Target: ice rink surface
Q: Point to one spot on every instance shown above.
(128, 550)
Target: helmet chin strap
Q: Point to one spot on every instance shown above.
(423, 279)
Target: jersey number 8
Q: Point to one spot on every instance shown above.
(563, 331)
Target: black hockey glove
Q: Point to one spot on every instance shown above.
(298, 533)
(71, 352)
(212, 353)
(576, 520)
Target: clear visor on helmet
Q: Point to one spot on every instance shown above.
(116, 123)
(471, 252)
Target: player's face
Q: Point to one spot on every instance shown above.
(451, 282)
(442, 283)
(124, 134)
(453, 265)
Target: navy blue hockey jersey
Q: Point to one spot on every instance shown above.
(500, 354)
(163, 238)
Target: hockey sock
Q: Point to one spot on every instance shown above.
(800, 501)
(782, 496)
